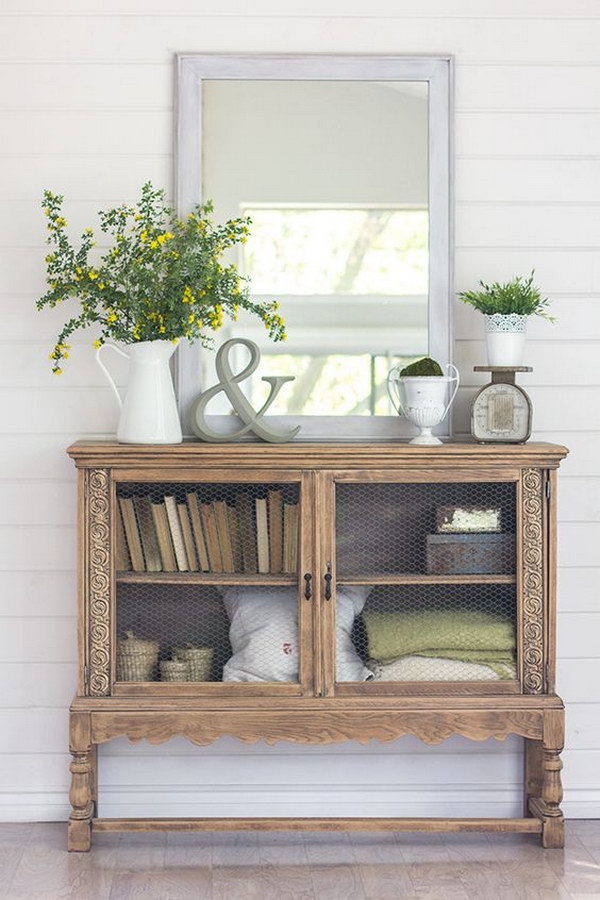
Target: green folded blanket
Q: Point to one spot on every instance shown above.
(464, 634)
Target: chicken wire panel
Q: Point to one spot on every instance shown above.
(440, 632)
(178, 615)
(207, 633)
(438, 529)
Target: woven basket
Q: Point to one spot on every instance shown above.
(174, 670)
(199, 660)
(136, 659)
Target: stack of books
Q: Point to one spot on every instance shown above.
(254, 535)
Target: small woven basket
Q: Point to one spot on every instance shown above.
(199, 660)
(174, 670)
(136, 659)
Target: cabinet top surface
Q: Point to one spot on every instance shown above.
(314, 455)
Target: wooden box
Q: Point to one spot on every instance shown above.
(470, 554)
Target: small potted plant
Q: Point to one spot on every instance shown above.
(418, 391)
(162, 279)
(506, 308)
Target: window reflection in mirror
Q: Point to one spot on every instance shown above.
(333, 175)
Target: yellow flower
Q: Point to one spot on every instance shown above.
(162, 329)
(97, 345)
(92, 274)
(111, 317)
(188, 296)
(57, 371)
(88, 231)
(144, 236)
(101, 285)
(50, 258)
(60, 222)
(65, 356)
(191, 318)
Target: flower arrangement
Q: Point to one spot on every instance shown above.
(162, 278)
(517, 297)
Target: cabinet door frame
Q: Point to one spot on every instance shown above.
(99, 613)
(531, 580)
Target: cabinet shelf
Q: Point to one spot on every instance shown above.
(410, 578)
(209, 578)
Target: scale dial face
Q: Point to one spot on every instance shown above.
(501, 412)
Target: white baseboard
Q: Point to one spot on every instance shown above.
(40, 805)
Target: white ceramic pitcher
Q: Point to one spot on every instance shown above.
(149, 412)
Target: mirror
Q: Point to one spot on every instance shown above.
(342, 164)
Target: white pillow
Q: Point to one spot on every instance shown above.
(350, 600)
(264, 634)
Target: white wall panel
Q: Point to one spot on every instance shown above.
(86, 99)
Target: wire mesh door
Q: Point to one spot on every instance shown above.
(207, 587)
(425, 586)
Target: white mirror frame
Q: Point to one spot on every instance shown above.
(192, 70)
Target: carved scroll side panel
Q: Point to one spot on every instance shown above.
(98, 539)
(533, 581)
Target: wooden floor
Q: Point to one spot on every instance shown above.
(274, 866)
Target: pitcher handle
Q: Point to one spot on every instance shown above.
(395, 401)
(451, 400)
(105, 370)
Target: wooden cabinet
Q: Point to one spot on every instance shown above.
(344, 592)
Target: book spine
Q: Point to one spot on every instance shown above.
(148, 534)
(194, 510)
(245, 510)
(176, 534)
(163, 533)
(262, 535)
(188, 540)
(222, 520)
(212, 538)
(133, 534)
(234, 533)
(123, 561)
(275, 531)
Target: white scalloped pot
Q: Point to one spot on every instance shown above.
(505, 339)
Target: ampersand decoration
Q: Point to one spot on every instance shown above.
(253, 419)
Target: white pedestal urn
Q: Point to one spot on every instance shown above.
(422, 399)
(505, 339)
(149, 411)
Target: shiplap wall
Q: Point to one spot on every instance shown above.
(86, 109)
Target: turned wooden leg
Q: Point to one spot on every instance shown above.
(82, 778)
(553, 824)
(553, 833)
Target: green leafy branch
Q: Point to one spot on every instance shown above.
(162, 279)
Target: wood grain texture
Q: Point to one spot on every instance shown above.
(312, 727)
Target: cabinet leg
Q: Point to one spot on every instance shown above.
(553, 825)
(81, 794)
(553, 833)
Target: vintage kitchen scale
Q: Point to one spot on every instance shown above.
(501, 411)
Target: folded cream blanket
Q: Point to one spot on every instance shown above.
(465, 635)
(426, 668)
